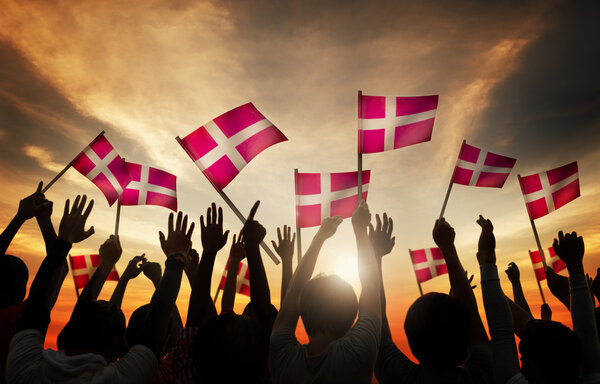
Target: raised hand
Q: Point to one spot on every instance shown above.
(570, 248)
(487, 242)
(153, 272)
(72, 224)
(285, 244)
(178, 242)
(32, 205)
(191, 265)
(361, 217)
(110, 252)
(595, 286)
(513, 272)
(213, 238)
(237, 252)
(546, 312)
(253, 232)
(381, 236)
(134, 267)
(329, 226)
(443, 234)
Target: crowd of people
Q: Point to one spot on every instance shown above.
(349, 338)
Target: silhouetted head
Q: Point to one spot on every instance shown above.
(249, 312)
(437, 327)
(94, 327)
(550, 353)
(328, 306)
(136, 329)
(230, 349)
(13, 280)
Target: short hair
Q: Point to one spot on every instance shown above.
(13, 280)
(93, 326)
(137, 329)
(541, 343)
(328, 305)
(437, 327)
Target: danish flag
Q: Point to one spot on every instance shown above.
(390, 122)
(83, 268)
(428, 263)
(150, 186)
(547, 191)
(100, 163)
(538, 266)
(242, 280)
(480, 168)
(322, 195)
(222, 147)
(555, 262)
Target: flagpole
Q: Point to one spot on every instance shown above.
(359, 153)
(59, 175)
(217, 295)
(418, 282)
(219, 286)
(450, 186)
(118, 217)
(538, 282)
(298, 229)
(235, 210)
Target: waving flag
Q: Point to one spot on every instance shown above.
(222, 147)
(480, 168)
(243, 279)
(390, 122)
(322, 195)
(83, 268)
(428, 263)
(538, 266)
(100, 163)
(150, 186)
(547, 191)
(555, 262)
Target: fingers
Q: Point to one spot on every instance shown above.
(385, 222)
(253, 211)
(294, 239)
(191, 230)
(561, 236)
(289, 232)
(179, 221)
(75, 206)
(213, 207)
(66, 212)
(371, 229)
(390, 226)
(378, 220)
(202, 226)
(89, 232)
(170, 224)
(184, 223)
(275, 246)
(279, 238)
(88, 210)
(161, 237)
(220, 218)
(225, 235)
(39, 187)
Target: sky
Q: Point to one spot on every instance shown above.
(515, 78)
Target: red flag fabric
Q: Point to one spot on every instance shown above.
(554, 261)
(222, 147)
(538, 267)
(83, 268)
(547, 191)
(101, 163)
(428, 263)
(322, 195)
(243, 279)
(390, 122)
(150, 186)
(480, 168)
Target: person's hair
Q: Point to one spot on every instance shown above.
(328, 305)
(13, 280)
(137, 331)
(437, 327)
(541, 343)
(230, 348)
(249, 312)
(94, 326)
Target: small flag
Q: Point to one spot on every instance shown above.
(242, 281)
(547, 191)
(555, 262)
(322, 195)
(538, 267)
(83, 268)
(222, 147)
(150, 186)
(428, 263)
(480, 168)
(101, 163)
(390, 122)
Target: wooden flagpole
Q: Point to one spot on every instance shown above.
(47, 187)
(538, 282)
(359, 153)
(298, 229)
(118, 217)
(449, 186)
(235, 210)
(416, 277)
(219, 286)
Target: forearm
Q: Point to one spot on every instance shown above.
(47, 230)
(584, 324)
(36, 314)
(499, 317)
(228, 299)
(286, 277)
(260, 294)
(368, 272)
(520, 317)
(560, 289)
(92, 289)
(119, 292)
(9, 233)
(519, 297)
(201, 304)
(459, 283)
(385, 325)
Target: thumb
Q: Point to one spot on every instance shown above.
(161, 237)
(88, 233)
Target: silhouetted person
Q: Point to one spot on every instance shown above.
(514, 275)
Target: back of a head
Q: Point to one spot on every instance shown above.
(94, 326)
(230, 349)
(437, 327)
(13, 280)
(137, 330)
(328, 305)
(541, 345)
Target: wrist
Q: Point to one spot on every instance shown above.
(19, 219)
(446, 246)
(575, 268)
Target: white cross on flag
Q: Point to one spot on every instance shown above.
(547, 191)
(428, 263)
(100, 163)
(222, 147)
(242, 280)
(150, 186)
(553, 261)
(322, 195)
(480, 168)
(83, 268)
(390, 122)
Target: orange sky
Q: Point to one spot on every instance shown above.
(149, 71)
